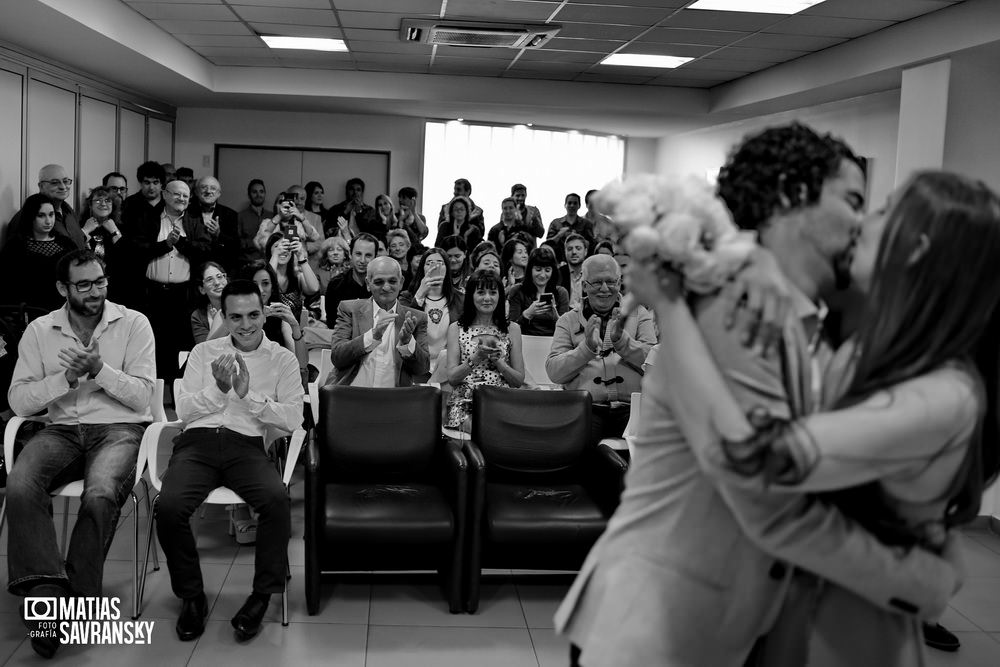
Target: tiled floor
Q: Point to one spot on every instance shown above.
(389, 620)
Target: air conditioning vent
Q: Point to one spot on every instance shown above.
(477, 33)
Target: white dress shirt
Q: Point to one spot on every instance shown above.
(379, 367)
(171, 267)
(119, 394)
(274, 398)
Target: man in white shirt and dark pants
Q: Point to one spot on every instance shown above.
(91, 367)
(233, 389)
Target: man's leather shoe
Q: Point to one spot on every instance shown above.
(248, 619)
(939, 637)
(191, 623)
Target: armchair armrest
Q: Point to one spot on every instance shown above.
(605, 476)
(453, 470)
(315, 493)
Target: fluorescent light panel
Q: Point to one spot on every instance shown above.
(645, 60)
(756, 6)
(304, 43)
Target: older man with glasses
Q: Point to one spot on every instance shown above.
(54, 183)
(90, 367)
(170, 246)
(598, 348)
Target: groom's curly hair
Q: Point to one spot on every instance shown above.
(791, 160)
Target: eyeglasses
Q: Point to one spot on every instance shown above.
(218, 278)
(610, 284)
(102, 201)
(55, 182)
(119, 189)
(84, 286)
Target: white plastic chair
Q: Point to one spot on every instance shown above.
(75, 489)
(156, 441)
(324, 365)
(535, 350)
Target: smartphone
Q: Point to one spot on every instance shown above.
(546, 298)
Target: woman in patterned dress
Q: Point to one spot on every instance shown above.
(482, 347)
(28, 261)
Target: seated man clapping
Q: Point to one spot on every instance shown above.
(233, 389)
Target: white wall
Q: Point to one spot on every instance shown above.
(640, 155)
(972, 139)
(198, 130)
(868, 124)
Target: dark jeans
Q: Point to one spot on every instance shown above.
(608, 422)
(104, 457)
(203, 460)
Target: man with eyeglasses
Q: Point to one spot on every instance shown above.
(598, 349)
(117, 183)
(220, 222)
(170, 247)
(56, 184)
(90, 366)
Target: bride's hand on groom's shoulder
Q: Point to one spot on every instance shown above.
(759, 301)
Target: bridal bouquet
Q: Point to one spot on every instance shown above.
(680, 222)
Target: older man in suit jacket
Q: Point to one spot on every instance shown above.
(378, 342)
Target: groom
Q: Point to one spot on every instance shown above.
(802, 194)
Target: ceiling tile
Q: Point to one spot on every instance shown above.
(289, 4)
(549, 68)
(224, 61)
(828, 26)
(290, 16)
(611, 77)
(204, 27)
(728, 64)
(885, 10)
(315, 64)
(220, 40)
(500, 10)
(682, 73)
(690, 36)
(234, 51)
(477, 52)
(186, 12)
(409, 68)
(598, 31)
(595, 45)
(682, 50)
(377, 21)
(764, 40)
(643, 16)
(763, 55)
(417, 6)
(297, 30)
(361, 46)
(685, 83)
(539, 56)
(396, 58)
(713, 20)
(372, 35)
(174, 2)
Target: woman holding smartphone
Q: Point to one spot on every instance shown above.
(432, 291)
(288, 217)
(538, 301)
(483, 349)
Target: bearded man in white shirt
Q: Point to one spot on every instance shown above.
(91, 367)
(378, 342)
(233, 389)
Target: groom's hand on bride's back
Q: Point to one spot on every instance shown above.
(758, 302)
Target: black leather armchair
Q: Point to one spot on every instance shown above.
(384, 490)
(541, 495)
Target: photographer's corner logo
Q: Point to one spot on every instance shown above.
(84, 620)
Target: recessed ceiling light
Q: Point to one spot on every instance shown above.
(531, 124)
(645, 60)
(459, 119)
(756, 6)
(304, 43)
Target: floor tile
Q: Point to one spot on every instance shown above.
(447, 647)
(12, 630)
(159, 600)
(399, 602)
(300, 644)
(162, 653)
(987, 538)
(979, 601)
(550, 649)
(980, 560)
(539, 602)
(978, 650)
(343, 603)
(955, 622)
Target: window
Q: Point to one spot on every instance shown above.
(550, 163)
